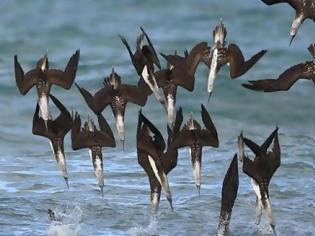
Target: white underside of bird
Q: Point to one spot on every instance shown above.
(213, 70)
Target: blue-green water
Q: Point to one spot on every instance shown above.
(30, 182)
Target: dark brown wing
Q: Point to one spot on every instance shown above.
(139, 126)
(162, 76)
(134, 57)
(101, 138)
(64, 78)
(103, 98)
(254, 147)
(269, 140)
(124, 41)
(183, 73)
(142, 85)
(208, 137)
(143, 161)
(87, 97)
(39, 127)
(99, 101)
(195, 56)
(109, 140)
(80, 139)
(249, 169)
(293, 3)
(284, 81)
(151, 146)
(178, 122)
(24, 82)
(184, 138)
(133, 94)
(146, 144)
(238, 65)
(229, 188)
(169, 160)
(152, 50)
(158, 138)
(179, 73)
(63, 123)
(275, 154)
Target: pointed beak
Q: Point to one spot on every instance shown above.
(273, 227)
(296, 25)
(292, 37)
(209, 96)
(123, 144)
(46, 124)
(169, 199)
(67, 181)
(102, 190)
(198, 189)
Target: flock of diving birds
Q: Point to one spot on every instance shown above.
(156, 156)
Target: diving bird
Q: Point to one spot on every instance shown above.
(304, 9)
(220, 55)
(155, 158)
(194, 137)
(180, 71)
(55, 131)
(261, 170)
(228, 196)
(43, 78)
(145, 53)
(93, 139)
(116, 95)
(288, 78)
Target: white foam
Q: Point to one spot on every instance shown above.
(68, 223)
(223, 227)
(151, 229)
(56, 229)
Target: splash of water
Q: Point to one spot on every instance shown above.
(67, 223)
(151, 229)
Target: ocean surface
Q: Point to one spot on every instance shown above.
(30, 181)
